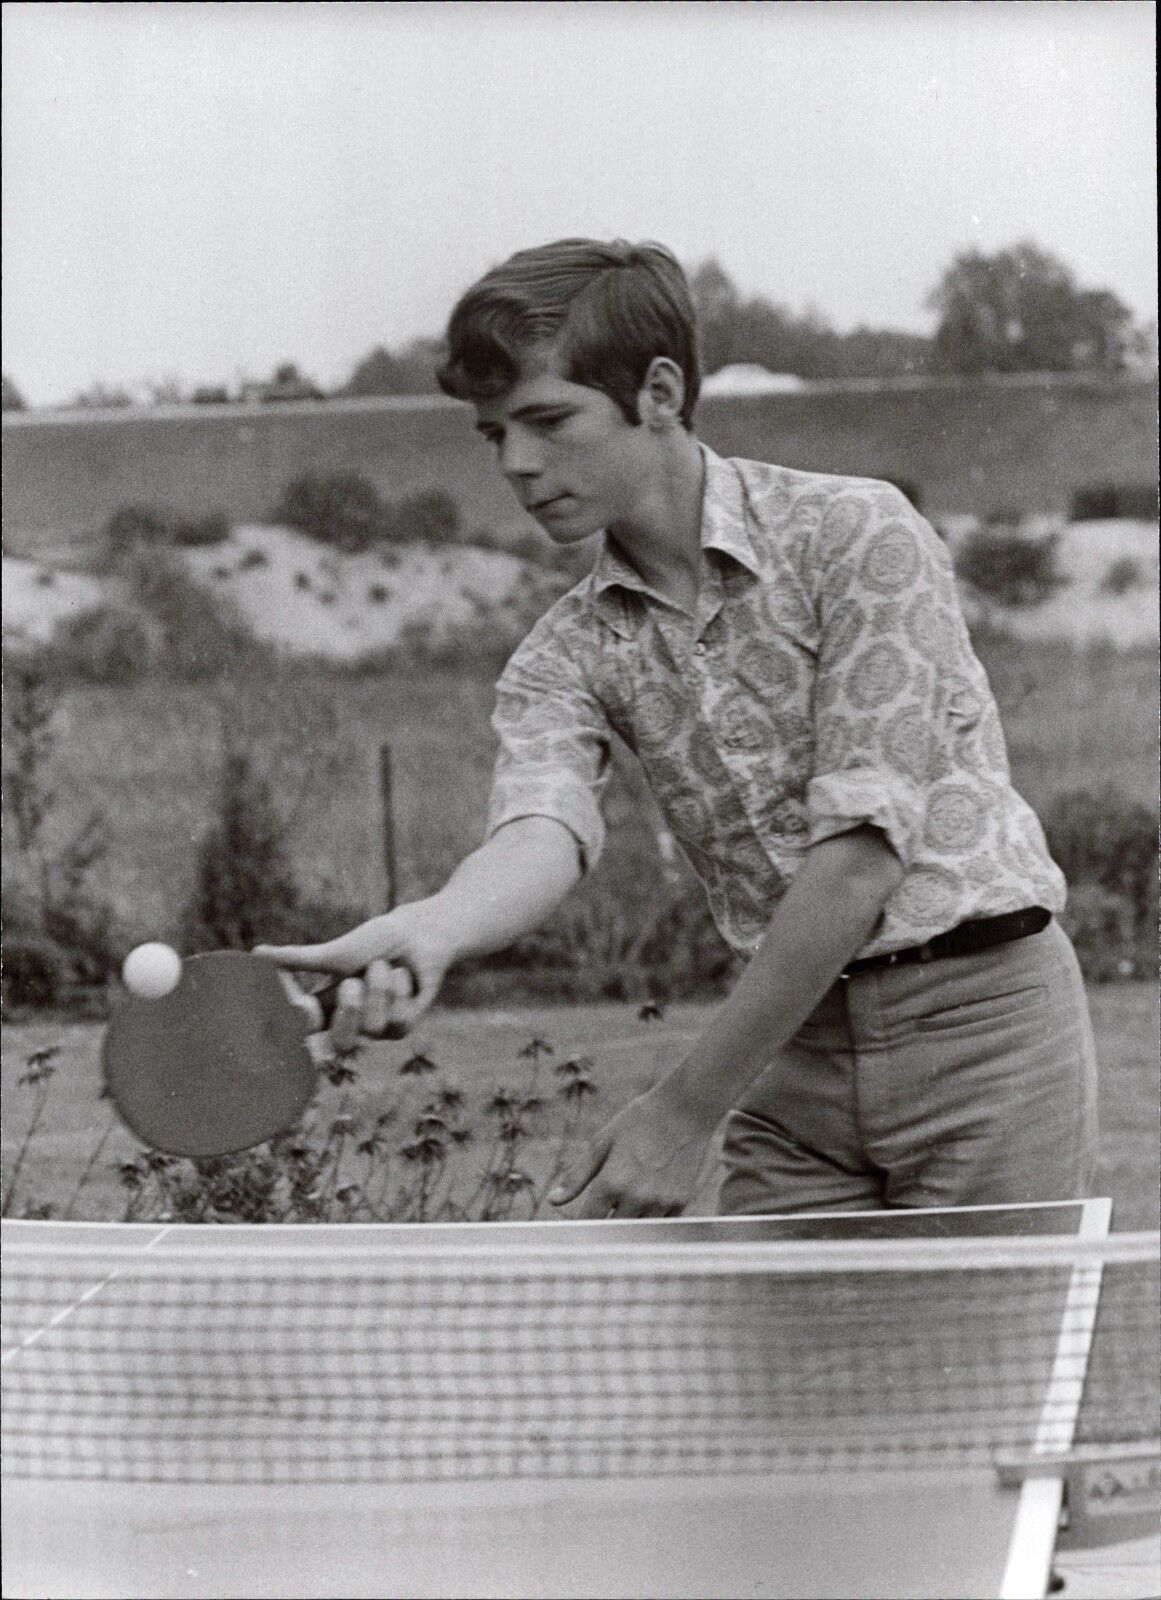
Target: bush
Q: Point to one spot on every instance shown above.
(202, 635)
(1101, 836)
(36, 969)
(245, 889)
(57, 938)
(431, 516)
(83, 925)
(340, 508)
(1101, 925)
(56, 929)
(196, 532)
(1106, 845)
(1123, 574)
(135, 525)
(112, 645)
(1013, 568)
(1098, 502)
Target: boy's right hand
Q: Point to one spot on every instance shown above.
(392, 965)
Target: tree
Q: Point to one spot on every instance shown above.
(13, 399)
(737, 329)
(1021, 310)
(407, 371)
(167, 391)
(288, 383)
(101, 396)
(734, 329)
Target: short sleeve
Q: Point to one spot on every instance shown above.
(889, 636)
(554, 738)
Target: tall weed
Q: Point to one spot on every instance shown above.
(58, 930)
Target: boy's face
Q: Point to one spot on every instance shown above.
(572, 459)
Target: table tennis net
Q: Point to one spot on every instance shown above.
(356, 1365)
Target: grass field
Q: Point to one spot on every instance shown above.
(480, 1051)
(146, 759)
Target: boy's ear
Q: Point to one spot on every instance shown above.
(662, 394)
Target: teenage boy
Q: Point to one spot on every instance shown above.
(785, 653)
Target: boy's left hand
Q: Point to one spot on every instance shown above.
(644, 1163)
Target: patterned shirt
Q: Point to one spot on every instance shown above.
(826, 681)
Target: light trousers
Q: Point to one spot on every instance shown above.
(961, 1082)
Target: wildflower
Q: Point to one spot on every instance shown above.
(416, 1065)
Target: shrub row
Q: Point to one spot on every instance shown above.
(136, 525)
(1098, 501)
(1010, 566)
(344, 509)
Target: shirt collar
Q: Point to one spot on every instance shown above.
(724, 527)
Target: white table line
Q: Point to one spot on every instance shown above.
(67, 1311)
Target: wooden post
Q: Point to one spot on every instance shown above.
(390, 881)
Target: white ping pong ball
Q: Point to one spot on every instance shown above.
(152, 970)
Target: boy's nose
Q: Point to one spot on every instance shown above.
(519, 458)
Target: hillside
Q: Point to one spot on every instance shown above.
(311, 601)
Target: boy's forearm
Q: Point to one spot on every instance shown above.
(824, 919)
(508, 886)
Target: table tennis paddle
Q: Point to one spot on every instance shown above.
(219, 1064)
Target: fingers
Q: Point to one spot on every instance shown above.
(347, 1022)
(579, 1173)
(596, 1204)
(311, 1008)
(350, 953)
(386, 987)
(395, 995)
(370, 1006)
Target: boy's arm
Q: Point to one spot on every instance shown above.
(504, 889)
(646, 1161)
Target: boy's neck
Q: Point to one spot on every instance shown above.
(662, 539)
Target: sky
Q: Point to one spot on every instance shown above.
(201, 191)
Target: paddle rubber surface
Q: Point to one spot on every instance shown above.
(218, 1065)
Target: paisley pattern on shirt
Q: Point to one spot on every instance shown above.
(827, 681)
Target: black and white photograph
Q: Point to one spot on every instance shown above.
(581, 692)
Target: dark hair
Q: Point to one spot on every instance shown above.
(607, 309)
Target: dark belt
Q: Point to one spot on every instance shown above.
(965, 940)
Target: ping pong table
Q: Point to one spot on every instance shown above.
(838, 1405)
